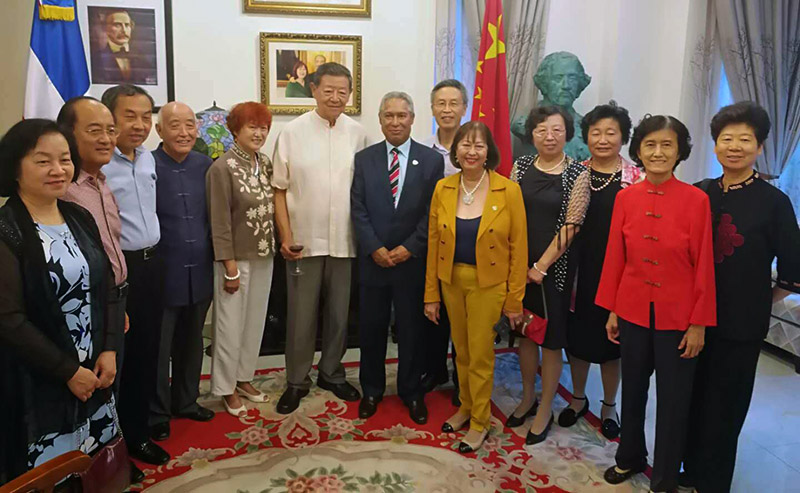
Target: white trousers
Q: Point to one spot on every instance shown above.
(239, 324)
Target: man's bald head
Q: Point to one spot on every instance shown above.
(177, 127)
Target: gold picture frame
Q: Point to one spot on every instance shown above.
(284, 85)
(330, 7)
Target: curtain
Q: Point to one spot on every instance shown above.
(760, 46)
(458, 33)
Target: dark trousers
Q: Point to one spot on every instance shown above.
(726, 373)
(438, 343)
(644, 350)
(375, 304)
(117, 303)
(182, 342)
(140, 363)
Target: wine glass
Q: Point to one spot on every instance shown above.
(294, 265)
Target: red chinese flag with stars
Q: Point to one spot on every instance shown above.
(490, 103)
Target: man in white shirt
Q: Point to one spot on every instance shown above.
(449, 105)
(313, 171)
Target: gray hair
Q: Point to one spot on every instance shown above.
(454, 84)
(161, 111)
(396, 95)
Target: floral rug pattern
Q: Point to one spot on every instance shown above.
(324, 447)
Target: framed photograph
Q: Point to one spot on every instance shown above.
(129, 41)
(288, 63)
(348, 8)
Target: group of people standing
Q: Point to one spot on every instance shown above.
(109, 275)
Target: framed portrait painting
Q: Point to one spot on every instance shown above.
(129, 41)
(288, 64)
(349, 8)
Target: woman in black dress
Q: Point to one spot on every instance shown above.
(605, 130)
(555, 189)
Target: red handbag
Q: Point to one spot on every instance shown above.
(533, 326)
(110, 470)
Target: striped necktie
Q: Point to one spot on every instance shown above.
(394, 174)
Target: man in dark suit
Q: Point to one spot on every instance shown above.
(121, 59)
(390, 197)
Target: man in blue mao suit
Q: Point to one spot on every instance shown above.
(392, 187)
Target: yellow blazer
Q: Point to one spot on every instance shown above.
(501, 251)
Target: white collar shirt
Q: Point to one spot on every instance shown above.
(313, 162)
(433, 143)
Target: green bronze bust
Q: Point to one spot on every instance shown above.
(561, 79)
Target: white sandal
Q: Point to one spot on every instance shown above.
(234, 412)
(258, 398)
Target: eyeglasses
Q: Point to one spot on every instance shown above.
(542, 132)
(441, 105)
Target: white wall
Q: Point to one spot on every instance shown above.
(216, 55)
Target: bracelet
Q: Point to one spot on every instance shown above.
(538, 270)
(236, 277)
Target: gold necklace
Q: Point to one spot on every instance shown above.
(610, 178)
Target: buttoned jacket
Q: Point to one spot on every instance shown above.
(660, 251)
(501, 249)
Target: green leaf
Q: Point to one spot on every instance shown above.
(397, 477)
(252, 448)
(238, 445)
(362, 480)
(351, 487)
(322, 471)
(310, 472)
(216, 131)
(233, 436)
(291, 473)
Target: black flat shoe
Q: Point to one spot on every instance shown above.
(290, 400)
(417, 411)
(430, 382)
(368, 406)
(137, 476)
(160, 431)
(612, 476)
(343, 391)
(610, 428)
(149, 452)
(514, 421)
(199, 414)
(569, 417)
(533, 438)
(466, 447)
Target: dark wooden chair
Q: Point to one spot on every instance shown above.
(42, 479)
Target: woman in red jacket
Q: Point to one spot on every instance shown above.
(658, 283)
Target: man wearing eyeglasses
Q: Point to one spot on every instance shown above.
(449, 105)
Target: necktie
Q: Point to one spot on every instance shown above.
(394, 174)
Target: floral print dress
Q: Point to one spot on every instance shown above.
(69, 273)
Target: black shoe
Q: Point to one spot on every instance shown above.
(149, 452)
(137, 476)
(431, 381)
(612, 476)
(514, 421)
(160, 431)
(368, 406)
(532, 438)
(467, 448)
(417, 411)
(199, 414)
(343, 391)
(290, 400)
(569, 417)
(610, 428)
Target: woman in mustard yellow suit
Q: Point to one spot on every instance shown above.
(477, 248)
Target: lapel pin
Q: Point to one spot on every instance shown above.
(494, 207)
(414, 162)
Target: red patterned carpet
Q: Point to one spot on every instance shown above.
(325, 447)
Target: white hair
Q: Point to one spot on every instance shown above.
(396, 95)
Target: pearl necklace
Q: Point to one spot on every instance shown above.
(609, 179)
(469, 196)
(536, 163)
